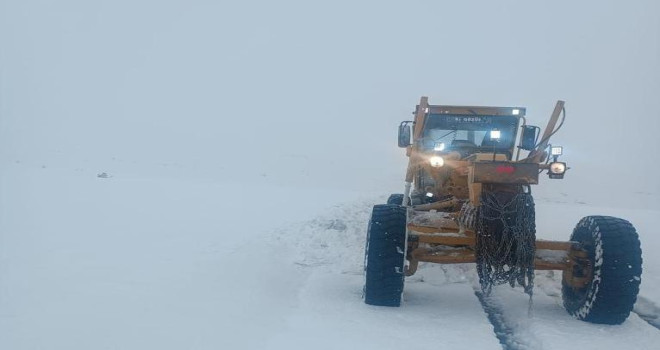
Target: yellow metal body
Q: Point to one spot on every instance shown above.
(463, 179)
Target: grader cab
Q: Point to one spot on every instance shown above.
(468, 199)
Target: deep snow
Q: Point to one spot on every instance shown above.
(245, 142)
(135, 263)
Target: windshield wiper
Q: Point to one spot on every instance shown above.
(445, 135)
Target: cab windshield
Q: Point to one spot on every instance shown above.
(481, 133)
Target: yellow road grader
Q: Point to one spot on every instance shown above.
(468, 199)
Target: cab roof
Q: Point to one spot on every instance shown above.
(475, 110)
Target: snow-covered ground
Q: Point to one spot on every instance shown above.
(129, 262)
(195, 174)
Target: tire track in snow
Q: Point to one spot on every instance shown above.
(648, 311)
(507, 334)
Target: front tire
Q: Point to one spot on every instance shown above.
(385, 255)
(614, 265)
(396, 199)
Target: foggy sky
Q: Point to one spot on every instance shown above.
(317, 88)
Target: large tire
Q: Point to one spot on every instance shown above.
(384, 255)
(615, 261)
(396, 199)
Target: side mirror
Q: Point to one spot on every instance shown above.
(529, 137)
(404, 134)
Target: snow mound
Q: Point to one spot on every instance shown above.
(335, 241)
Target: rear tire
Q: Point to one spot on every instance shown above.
(385, 255)
(615, 260)
(396, 199)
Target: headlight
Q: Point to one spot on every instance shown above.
(556, 150)
(436, 161)
(495, 134)
(557, 168)
(439, 146)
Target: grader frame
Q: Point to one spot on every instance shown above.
(468, 199)
(434, 234)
